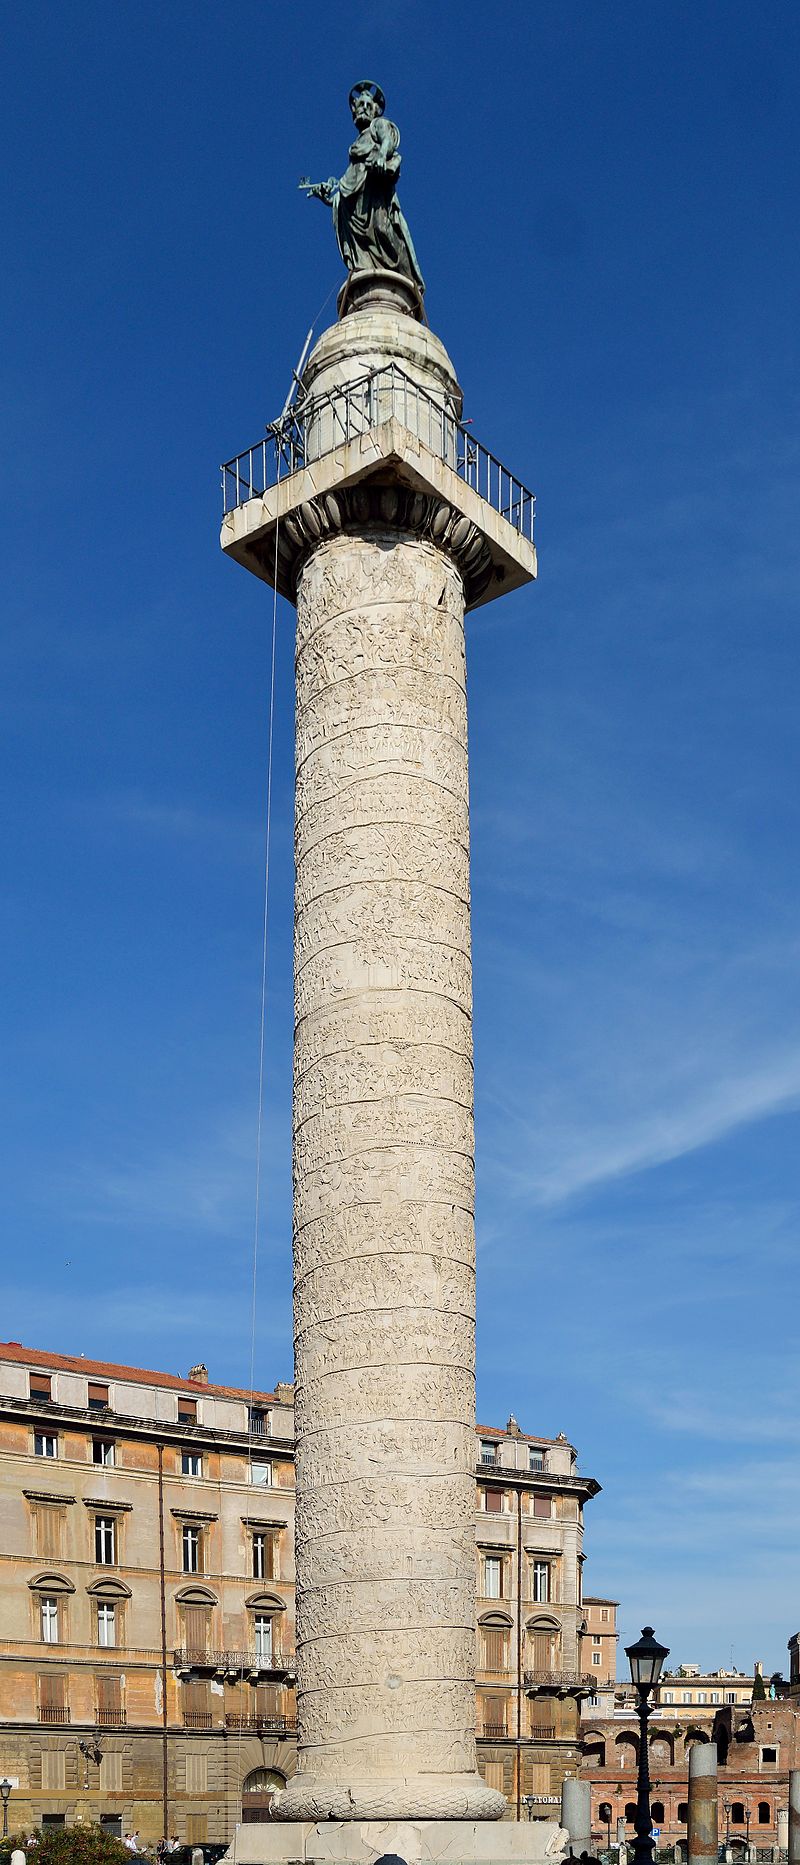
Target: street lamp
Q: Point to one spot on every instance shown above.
(645, 1658)
(5, 1790)
(528, 1804)
(726, 1808)
(747, 1829)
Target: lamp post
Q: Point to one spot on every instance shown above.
(527, 1802)
(747, 1829)
(726, 1808)
(645, 1658)
(5, 1790)
(608, 1826)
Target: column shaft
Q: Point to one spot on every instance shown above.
(383, 1190)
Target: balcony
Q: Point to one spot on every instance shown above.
(559, 1680)
(197, 1719)
(110, 1719)
(53, 1713)
(262, 1725)
(543, 1732)
(234, 1663)
(494, 1732)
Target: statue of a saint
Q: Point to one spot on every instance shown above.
(370, 227)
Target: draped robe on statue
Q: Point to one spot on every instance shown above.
(370, 226)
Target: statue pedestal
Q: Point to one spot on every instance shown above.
(380, 291)
(416, 1842)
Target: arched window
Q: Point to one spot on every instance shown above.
(630, 1812)
(683, 1811)
(258, 1792)
(661, 1751)
(657, 1812)
(594, 1753)
(764, 1817)
(737, 1813)
(627, 1747)
(604, 1812)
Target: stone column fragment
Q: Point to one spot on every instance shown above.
(703, 1820)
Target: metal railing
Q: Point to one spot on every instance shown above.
(262, 1725)
(561, 1679)
(320, 424)
(110, 1719)
(197, 1719)
(494, 1732)
(543, 1732)
(53, 1713)
(195, 1659)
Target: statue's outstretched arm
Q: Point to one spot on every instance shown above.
(320, 190)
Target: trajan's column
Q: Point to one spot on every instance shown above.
(375, 512)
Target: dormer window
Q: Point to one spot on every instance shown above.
(98, 1396)
(535, 1459)
(187, 1411)
(40, 1386)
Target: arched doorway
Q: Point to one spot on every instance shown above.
(259, 1788)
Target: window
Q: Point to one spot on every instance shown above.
(40, 1386)
(770, 1756)
(604, 1812)
(737, 1813)
(259, 1422)
(49, 1617)
(263, 1637)
(493, 1501)
(667, 1696)
(657, 1812)
(701, 1696)
(54, 1771)
(191, 1463)
(265, 1561)
(98, 1397)
(715, 1696)
(542, 1505)
(683, 1811)
(540, 1574)
(604, 1615)
(535, 1459)
(191, 1549)
(110, 1822)
(108, 1694)
(52, 1820)
(187, 1411)
(53, 1699)
(730, 1696)
(45, 1444)
(492, 1577)
(261, 1474)
(630, 1812)
(196, 1705)
(494, 1717)
(488, 1453)
(686, 1696)
(103, 1450)
(106, 1623)
(494, 1639)
(105, 1538)
(763, 1813)
(596, 1639)
(197, 1629)
(597, 1657)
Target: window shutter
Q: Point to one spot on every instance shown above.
(268, 1701)
(542, 1505)
(52, 1690)
(495, 1647)
(542, 1651)
(49, 1522)
(196, 1696)
(196, 1620)
(494, 1501)
(109, 1691)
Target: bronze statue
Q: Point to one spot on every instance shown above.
(371, 229)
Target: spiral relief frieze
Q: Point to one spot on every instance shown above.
(383, 1177)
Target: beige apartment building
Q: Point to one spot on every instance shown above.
(599, 1640)
(147, 1600)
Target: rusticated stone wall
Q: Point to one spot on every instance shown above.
(383, 1190)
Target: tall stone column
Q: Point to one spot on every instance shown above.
(382, 546)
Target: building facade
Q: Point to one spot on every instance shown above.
(599, 1640)
(147, 1600)
(756, 1742)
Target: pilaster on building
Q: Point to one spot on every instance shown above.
(147, 1600)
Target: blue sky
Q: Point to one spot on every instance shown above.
(604, 203)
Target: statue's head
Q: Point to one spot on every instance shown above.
(366, 102)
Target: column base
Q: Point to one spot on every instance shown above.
(416, 1842)
(431, 1796)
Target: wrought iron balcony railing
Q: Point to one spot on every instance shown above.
(560, 1680)
(234, 1663)
(322, 423)
(262, 1725)
(53, 1713)
(110, 1719)
(197, 1719)
(494, 1732)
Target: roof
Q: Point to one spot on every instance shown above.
(598, 1599)
(108, 1369)
(527, 1437)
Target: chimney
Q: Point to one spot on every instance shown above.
(199, 1374)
